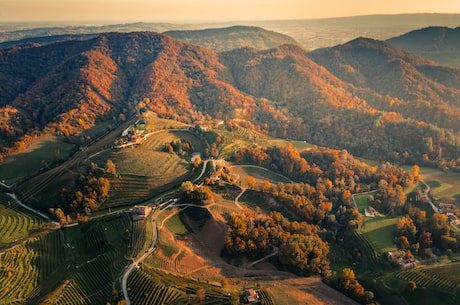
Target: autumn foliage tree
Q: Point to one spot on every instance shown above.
(90, 192)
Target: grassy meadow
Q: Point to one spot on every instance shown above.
(41, 152)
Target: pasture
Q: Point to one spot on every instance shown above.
(379, 231)
(175, 225)
(261, 174)
(41, 153)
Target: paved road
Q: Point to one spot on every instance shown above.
(28, 207)
(428, 188)
(130, 268)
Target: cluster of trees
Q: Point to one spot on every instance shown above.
(327, 169)
(181, 147)
(196, 193)
(349, 285)
(417, 232)
(322, 198)
(299, 246)
(90, 191)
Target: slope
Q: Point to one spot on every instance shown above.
(225, 39)
(441, 44)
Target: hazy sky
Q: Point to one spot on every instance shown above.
(210, 10)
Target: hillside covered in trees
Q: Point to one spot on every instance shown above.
(225, 39)
(441, 44)
(405, 113)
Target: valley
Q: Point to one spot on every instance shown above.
(156, 171)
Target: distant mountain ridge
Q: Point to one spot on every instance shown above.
(441, 44)
(43, 40)
(340, 97)
(310, 33)
(225, 39)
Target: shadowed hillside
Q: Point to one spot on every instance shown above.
(366, 96)
(441, 44)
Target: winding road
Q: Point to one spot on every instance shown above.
(129, 269)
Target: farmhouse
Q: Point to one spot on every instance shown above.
(371, 212)
(250, 296)
(214, 178)
(140, 212)
(407, 263)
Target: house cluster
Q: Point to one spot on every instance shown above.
(133, 135)
(140, 212)
(401, 259)
(448, 207)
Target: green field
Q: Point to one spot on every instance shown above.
(259, 173)
(42, 152)
(175, 225)
(379, 231)
(362, 201)
(443, 184)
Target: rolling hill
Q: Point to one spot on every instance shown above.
(331, 97)
(225, 39)
(441, 44)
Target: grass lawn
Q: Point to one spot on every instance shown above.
(362, 201)
(379, 232)
(259, 173)
(281, 143)
(175, 225)
(265, 174)
(42, 152)
(443, 184)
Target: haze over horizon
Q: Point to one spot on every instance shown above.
(208, 10)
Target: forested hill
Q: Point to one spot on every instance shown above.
(418, 88)
(225, 39)
(441, 44)
(341, 98)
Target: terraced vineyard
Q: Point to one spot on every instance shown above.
(72, 294)
(98, 254)
(145, 170)
(375, 260)
(15, 222)
(265, 297)
(138, 237)
(445, 277)
(132, 189)
(148, 290)
(435, 285)
(27, 266)
(154, 287)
